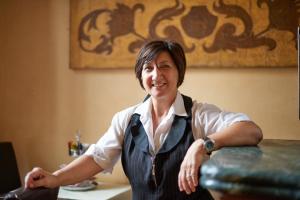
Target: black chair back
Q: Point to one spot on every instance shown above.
(9, 173)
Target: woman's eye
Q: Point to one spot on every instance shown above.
(148, 68)
(164, 66)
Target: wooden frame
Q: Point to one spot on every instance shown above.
(214, 33)
(298, 31)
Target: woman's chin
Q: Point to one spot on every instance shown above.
(161, 95)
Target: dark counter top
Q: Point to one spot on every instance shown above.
(270, 169)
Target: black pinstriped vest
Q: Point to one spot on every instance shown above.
(157, 177)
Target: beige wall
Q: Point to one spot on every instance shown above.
(43, 102)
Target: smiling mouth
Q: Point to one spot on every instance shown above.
(158, 84)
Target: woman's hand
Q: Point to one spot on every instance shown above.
(40, 178)
(189, 169)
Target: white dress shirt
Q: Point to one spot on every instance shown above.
(206, 119)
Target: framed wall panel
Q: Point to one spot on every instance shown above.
(214, 33)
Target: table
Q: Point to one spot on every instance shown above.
(101, 192)
(270, 170)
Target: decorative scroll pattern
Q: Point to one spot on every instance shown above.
(214, 33)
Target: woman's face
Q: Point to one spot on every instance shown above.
(160, 77)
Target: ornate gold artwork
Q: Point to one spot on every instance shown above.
(214, 33)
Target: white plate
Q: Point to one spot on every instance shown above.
(79, 188)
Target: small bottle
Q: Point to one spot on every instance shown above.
(70, 148)
(79, 149)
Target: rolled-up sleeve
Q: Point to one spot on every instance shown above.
(209, 119)
(106, 152)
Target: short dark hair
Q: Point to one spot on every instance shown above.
(151, 49)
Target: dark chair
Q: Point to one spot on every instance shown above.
(33, 194)
(10, 183)
(9, 173)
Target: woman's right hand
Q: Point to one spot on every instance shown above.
(40, 178)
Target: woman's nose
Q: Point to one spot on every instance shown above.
(156, 73)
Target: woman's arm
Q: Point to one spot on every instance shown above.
(78, 170)
(238, 134)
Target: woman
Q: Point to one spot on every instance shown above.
(162, 141)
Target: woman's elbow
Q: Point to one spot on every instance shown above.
(256, 133)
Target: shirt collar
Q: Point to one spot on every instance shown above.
(177, 108)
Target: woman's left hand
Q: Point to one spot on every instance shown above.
(189, 169)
